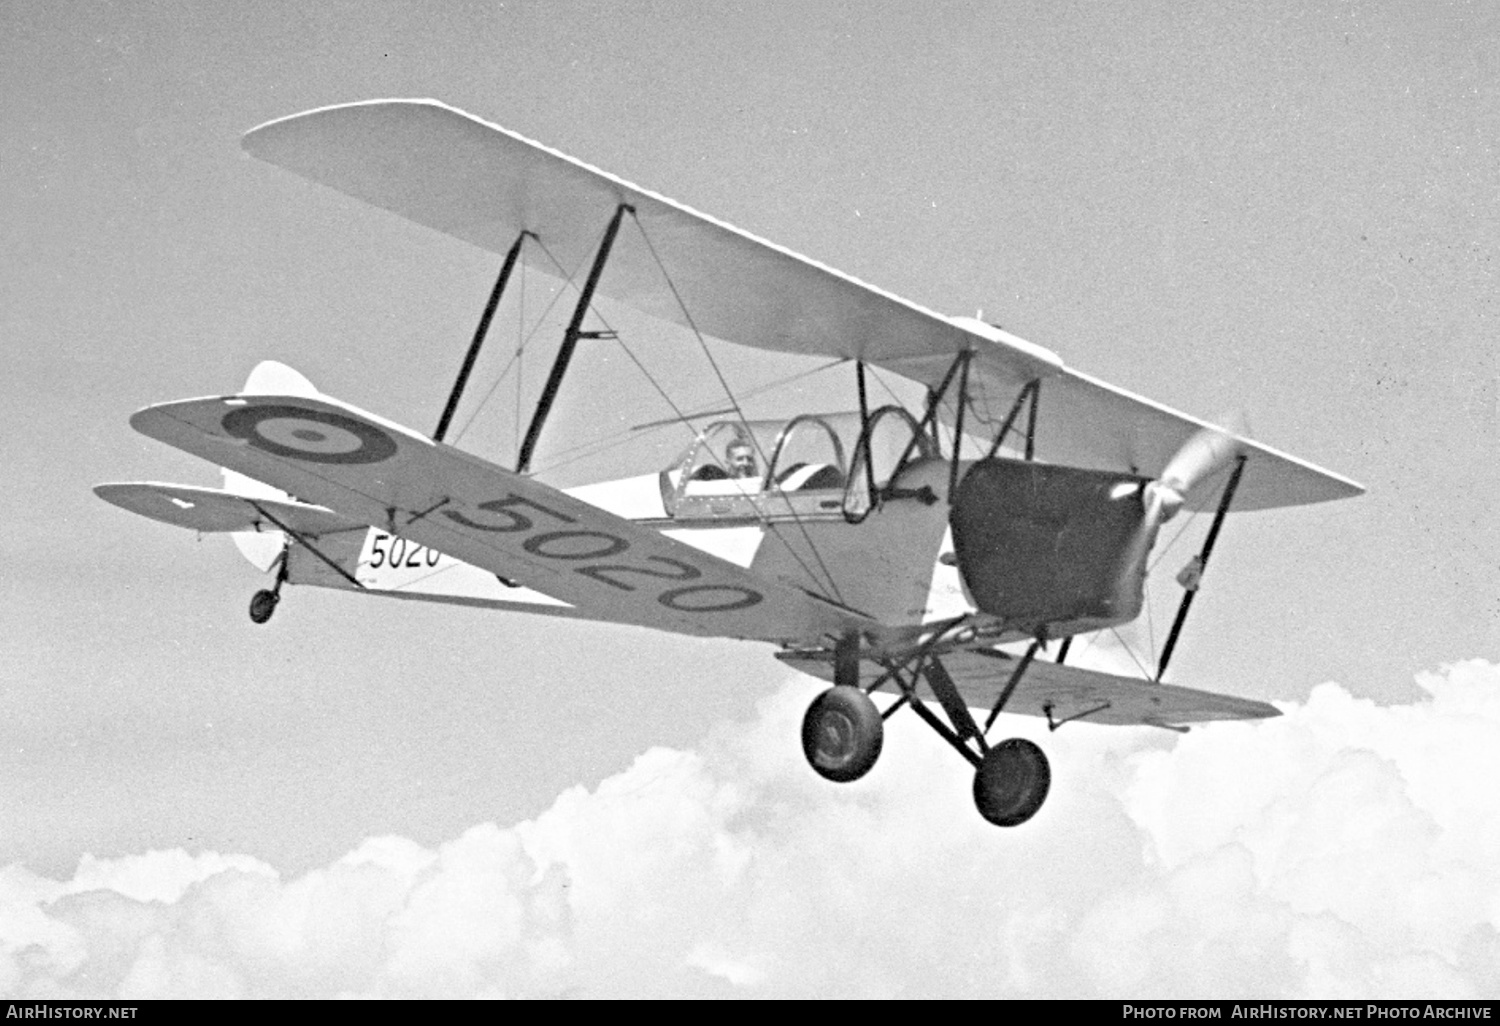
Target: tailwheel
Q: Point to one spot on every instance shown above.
(842, 733)
(263, 604)
(1012, 782)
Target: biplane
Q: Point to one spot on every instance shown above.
(941, 557)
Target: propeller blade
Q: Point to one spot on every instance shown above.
(1201, 456)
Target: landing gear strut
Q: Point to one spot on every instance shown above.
(843, 729)
(263, 602)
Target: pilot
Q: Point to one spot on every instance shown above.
(741, 456)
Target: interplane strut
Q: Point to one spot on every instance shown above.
(570, 342)
(479, 336)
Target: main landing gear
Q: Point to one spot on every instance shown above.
(1012, 782)
(843, 731)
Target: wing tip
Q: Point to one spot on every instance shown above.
(148, 418)
(254, 139)
(110, 491)
(1265, 711)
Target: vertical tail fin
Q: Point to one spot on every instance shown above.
(268, 378)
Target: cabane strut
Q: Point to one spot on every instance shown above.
(1031, 392)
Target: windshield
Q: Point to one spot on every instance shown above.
(728, 450)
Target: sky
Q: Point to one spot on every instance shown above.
(1290, 209)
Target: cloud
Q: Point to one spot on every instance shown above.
(1345, 849)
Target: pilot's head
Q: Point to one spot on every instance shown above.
(741, 458)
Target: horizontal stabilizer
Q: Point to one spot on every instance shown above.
(211, 510)
(1062, 692)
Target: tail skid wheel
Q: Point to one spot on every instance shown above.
(263, 604)
(842, 734)
(1012, 782)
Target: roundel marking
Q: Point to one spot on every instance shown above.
(314, 436)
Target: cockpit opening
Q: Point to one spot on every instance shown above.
(813, 465)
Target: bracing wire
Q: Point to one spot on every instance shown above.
(594, 447)
(597, 447)
(739, 412)
(515, 359)
(759, 390)
(525, 339)
(608, 327)
(1187, 522)
(702, 342)
(874, 373)
(1131, 653)
(587, 449)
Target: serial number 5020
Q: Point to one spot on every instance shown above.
(397, 553)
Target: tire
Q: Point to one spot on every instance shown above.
(1012, 782)
(262, 605)
(842, 734)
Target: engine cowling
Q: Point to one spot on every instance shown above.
(1040, 545)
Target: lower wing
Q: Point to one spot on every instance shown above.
(374, 472)
(1063, 693)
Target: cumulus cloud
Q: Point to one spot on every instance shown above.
(1344, 849)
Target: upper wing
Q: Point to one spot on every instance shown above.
(476, 181)
(210, 509)
(381, 474)
(1065, 692)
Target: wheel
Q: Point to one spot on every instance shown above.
(842, 734)
(262, 605)
(1012, 782)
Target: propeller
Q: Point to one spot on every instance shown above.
(1200, 457)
